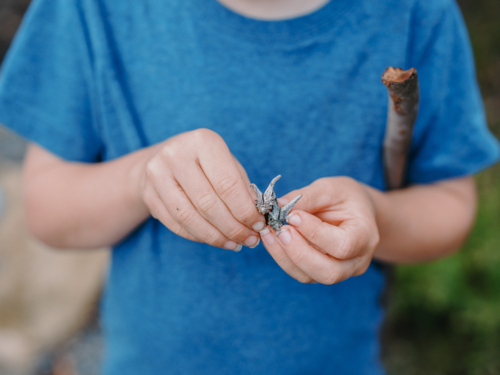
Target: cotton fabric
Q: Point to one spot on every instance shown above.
(93, 80)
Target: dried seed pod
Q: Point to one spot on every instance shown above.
(264, 202)
(277, 216)
(267, 204)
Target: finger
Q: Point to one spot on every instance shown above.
(242, 171)
(318, 266)
(160, 212)
(206, 201)
(276, 250)
(314, 199)
(230, 186)
(348, 241)
(245, 178)
(325, 198)
(183, 212)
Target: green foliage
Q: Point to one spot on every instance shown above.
(444, 316)
(447, 313)
(482, 21)
(469, 281)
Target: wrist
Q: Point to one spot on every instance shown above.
(136, 178)
(379, 202)
(383, 212)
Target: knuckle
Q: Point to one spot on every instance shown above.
(333, 277)
(184, 216)
(154, 214)
(207, 202)
(146, 193)
(347, 248)
(177, 229)
(227, 187)
(321, 182)
(175, 149)
(236, 232)
(151, 169)
(314, 234)
(170, 153)
(203, 134)
(306, 195)
(297, 256)
(169, 150)
(370, 237)
(375, 237)
(245, 213)
(304, 279)
(214, 239)
(281, 259)
(375, 240)
(362, 269)
(346, 181)
(148, 197)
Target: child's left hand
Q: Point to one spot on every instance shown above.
(332, 232)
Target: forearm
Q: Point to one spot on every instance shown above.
(190, 182)
(80, 205)
(424, 222)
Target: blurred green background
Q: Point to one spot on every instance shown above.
(444, 317)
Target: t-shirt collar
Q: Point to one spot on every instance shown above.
(217, 17)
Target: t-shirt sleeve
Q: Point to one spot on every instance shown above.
(45, 82)
(451, 137)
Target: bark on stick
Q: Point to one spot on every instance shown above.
(402, 86)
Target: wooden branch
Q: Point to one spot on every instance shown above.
(402, 86)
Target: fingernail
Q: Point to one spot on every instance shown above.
(285, 237)
(231, 245)
(257, 244)
(251, 241)
(267, 237)
(258, 226)
(294, 219)
(238, 248)
(282, 201)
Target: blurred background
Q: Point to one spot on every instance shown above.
(48, 298)
(443, 317)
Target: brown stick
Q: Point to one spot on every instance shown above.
(403, 108)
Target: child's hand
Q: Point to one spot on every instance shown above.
(332, 233)
(196, 188)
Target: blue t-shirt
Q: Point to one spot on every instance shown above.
(93, 80)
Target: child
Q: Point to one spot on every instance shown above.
(151, 118)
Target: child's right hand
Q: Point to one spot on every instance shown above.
(197, 189)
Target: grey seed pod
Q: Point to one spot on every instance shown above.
(264, 202)
(287, 208)
(267, 204)
(277, 216)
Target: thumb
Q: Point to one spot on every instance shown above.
(312, 201)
